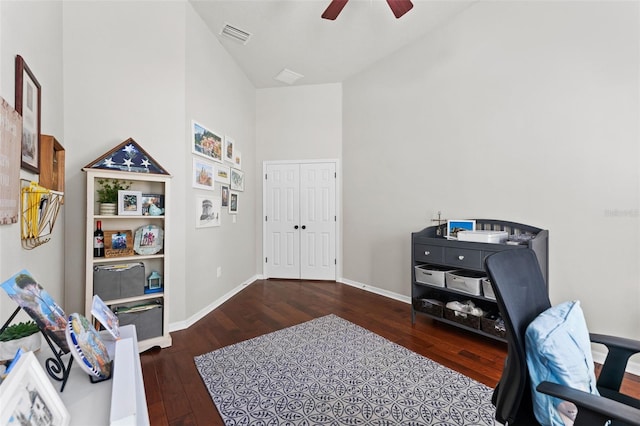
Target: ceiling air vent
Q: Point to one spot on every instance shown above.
(236, 34)
(287, 76)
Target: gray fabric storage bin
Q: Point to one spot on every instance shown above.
(119, 281)
(148, 322)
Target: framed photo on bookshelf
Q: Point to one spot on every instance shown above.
(152, 204)
(118, 243)
(129, 203)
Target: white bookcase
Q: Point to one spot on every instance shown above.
(146, 183)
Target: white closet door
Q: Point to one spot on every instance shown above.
(318, 221)
(282, 246)
(300, 221)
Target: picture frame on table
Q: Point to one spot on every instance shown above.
(456, 225)
(203, 175)
(237, 180)
(129, 203)
(27, 393)
(118, 243)
(206, 143)
(27, 104)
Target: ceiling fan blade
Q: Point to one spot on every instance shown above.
(334, 9)
(400, 7)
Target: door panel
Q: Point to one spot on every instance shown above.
(302, 195)
(318, 221)
(282, 213)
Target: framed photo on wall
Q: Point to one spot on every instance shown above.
(223, 174)
(206, 143)
(228, 149)
(233, 202)
(27, 104)
(207, 212)
(225, 195)
(203, 174)
(237, 180)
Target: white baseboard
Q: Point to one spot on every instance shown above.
(181, 325)
(599, 354)
(376, 290)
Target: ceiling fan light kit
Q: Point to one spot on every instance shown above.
(398, 7)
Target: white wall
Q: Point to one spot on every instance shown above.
(124, 77)
(521, 111)
(42, 51)
(220, 97)
(296, 123)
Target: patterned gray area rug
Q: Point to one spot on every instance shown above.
(329, 371)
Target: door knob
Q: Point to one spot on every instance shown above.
(304, 226)
(295, 227)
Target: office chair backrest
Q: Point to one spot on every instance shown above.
(521, 294)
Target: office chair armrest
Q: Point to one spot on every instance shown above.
(592, 409)
(629, 345)
(613, 369)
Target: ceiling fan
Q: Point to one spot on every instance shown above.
(398, 7)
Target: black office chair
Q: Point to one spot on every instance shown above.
(521, 296)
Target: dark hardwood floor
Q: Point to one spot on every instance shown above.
(175, 392)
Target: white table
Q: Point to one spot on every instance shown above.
(118, 401)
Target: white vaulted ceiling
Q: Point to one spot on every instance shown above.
(292, 35)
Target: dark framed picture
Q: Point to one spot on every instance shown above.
(225, 195)
(152, 204)
(27, 104)
(118, 243)
(233, 202)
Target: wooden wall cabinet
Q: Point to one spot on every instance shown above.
(51, 163)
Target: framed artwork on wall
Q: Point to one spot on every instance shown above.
(237, 159)
(228, 149)
(207, 212)
(237, 180)
(206, 143)
(10, 148)
(233, 202)
(225, 195)
(223, 174)
(203, 174)
(27, 104)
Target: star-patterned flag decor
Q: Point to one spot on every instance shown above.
(128, 157)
